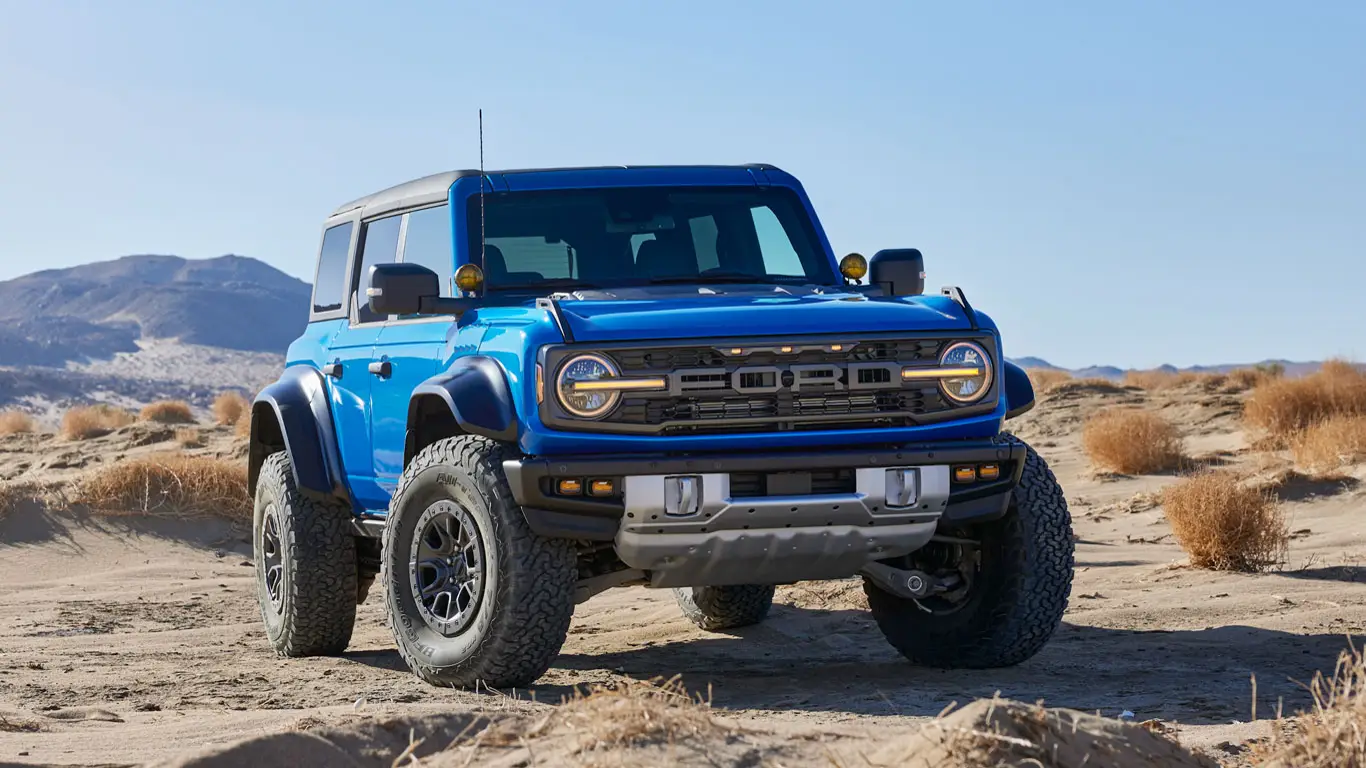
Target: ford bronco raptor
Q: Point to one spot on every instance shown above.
(517, 389)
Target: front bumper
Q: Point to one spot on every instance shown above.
(759, 538)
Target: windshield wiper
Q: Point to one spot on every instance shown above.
(724, 277)
(564, 283)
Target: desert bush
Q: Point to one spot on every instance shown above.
(14, 422)
(243, 426)
(1333, 733)
(87, 421)
(1152, 380)
(1243, 379)
(168, 412)
(171, 485)
(188, 437)
(1331, 444)
(1284, 407)
(1046, 379)
(1225, 524)
(228, 408)
(1131, 441)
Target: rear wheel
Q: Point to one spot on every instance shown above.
(305, 565)
(473, 595)
(728, 607)
(1009, 582)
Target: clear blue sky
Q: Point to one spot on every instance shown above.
(1131, 183)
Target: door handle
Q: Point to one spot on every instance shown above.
(381, 368)
(333, 369)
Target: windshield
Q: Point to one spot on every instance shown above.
(562, 239)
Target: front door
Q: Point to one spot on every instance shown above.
(410, 351)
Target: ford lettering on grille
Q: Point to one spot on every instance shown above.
(796, 378)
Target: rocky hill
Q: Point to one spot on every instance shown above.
(94, 311)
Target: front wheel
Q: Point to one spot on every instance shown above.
(1012, 578)
(473, 595)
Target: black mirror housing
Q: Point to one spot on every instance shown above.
(898, 272)
(401, 289)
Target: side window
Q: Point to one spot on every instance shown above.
(704, 242)
(329, 284)
(428, 242)
(780, 258)
(379, 245)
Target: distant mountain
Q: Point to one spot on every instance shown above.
(95, 310)
(1292, 368)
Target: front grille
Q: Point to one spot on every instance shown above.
(744, 386)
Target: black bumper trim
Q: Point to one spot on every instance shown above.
(598, 519)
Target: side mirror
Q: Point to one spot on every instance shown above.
(898, 272)
(402, 289)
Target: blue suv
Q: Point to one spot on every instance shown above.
(518, 389)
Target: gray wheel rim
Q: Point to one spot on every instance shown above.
(446, 568)
(272, 558)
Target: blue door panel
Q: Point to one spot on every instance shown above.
(353, 350)
(413, 351)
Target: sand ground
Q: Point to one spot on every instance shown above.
(127, 639)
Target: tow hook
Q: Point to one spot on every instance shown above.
(903, 583)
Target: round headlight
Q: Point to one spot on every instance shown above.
(589, 404)
(968, 388)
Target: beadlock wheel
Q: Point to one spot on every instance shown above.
(447, 568)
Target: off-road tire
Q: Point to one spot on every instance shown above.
(317, 608)
(729, 607)
(1019, 600)
(527, 597)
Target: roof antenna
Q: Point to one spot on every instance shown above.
(482, 262)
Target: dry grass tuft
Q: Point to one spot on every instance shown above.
(189, 437)
(15, 422)
(1285, 407)
(1131, 441)
(1047, 379)
(89, 421)
(228, 408)
(1157, 380)
(1224, 524)
(170, 485)
(613, 717)
(168, 412)
(12, 495)
(1333, 734)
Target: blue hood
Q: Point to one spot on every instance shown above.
(723, 311)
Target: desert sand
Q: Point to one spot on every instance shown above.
(129, 639)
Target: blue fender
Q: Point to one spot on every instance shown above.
(293, 415)
(471, 397)
(1019, 391)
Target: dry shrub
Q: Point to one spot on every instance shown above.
(243, 426)
(1156, 379)
(1331, 445)
(1333, 733)
(1225, 524)
(1284, 407)
(89, 421)
(12, 495)
(1131, 441)
(1243, 379)
(189, 437)
(170, 485)
(1047, 379)
(228, 408)
(14, 422)
(168, 412)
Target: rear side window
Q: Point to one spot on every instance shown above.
(329, 285)
(428, 242)
(379, 246)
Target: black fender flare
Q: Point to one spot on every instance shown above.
(1019, 391)
(293, 415)
(471, 397)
